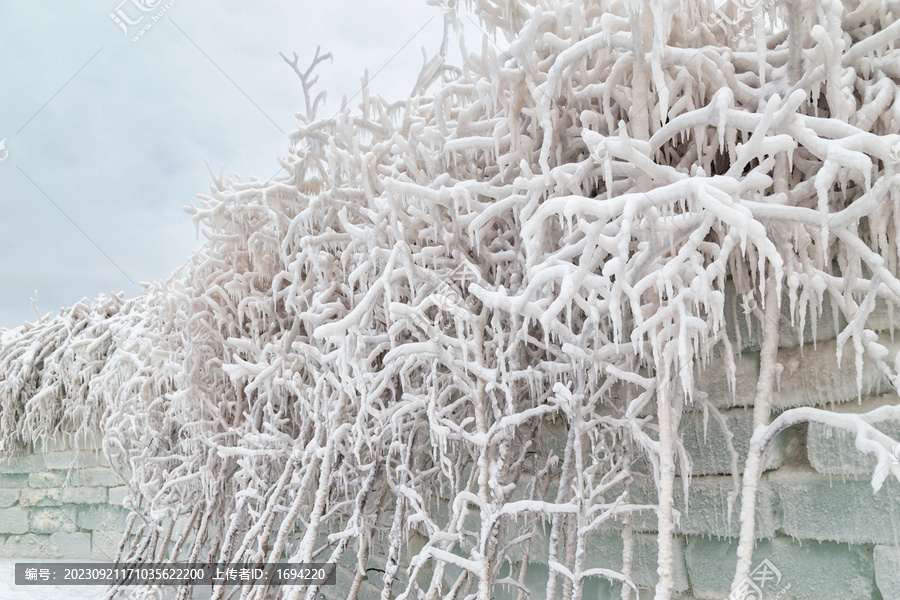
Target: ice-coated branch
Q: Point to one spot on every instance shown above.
(868, 440)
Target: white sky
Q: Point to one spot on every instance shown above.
(111, 137)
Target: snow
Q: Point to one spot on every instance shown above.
(313, 377)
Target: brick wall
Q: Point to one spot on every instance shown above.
(823, 533)
(57, 503)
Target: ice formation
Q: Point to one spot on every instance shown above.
(320, 383)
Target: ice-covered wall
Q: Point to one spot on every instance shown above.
(822, 532)
(59, 503)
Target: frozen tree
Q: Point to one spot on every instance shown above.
(468, 314)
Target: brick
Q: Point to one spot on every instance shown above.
(605, 550)
(887, 571)
(13, 480)
(117, 495)
(53, 519)
(834, 451)
(713, 381)
(63, 460)
(53, 546)
(54, 479)
(371, 586)
(821, 507)
(788, 336)
(706, 512)
(101, 517)
(181, 525)
(46, 446)
(40, 497)
(538, 550)
(535, 580)
(105, 544)
(90, 477)
(82, 442)
(879, 320)
(70, 459)
(13, 520)
(22, 464)
(804, 570)
(96, 477)
(709, 453)
(8, 497)
(85, 495)
(810, 377)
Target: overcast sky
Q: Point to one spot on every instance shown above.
(106, 139)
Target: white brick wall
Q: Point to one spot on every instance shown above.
(59, 503)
